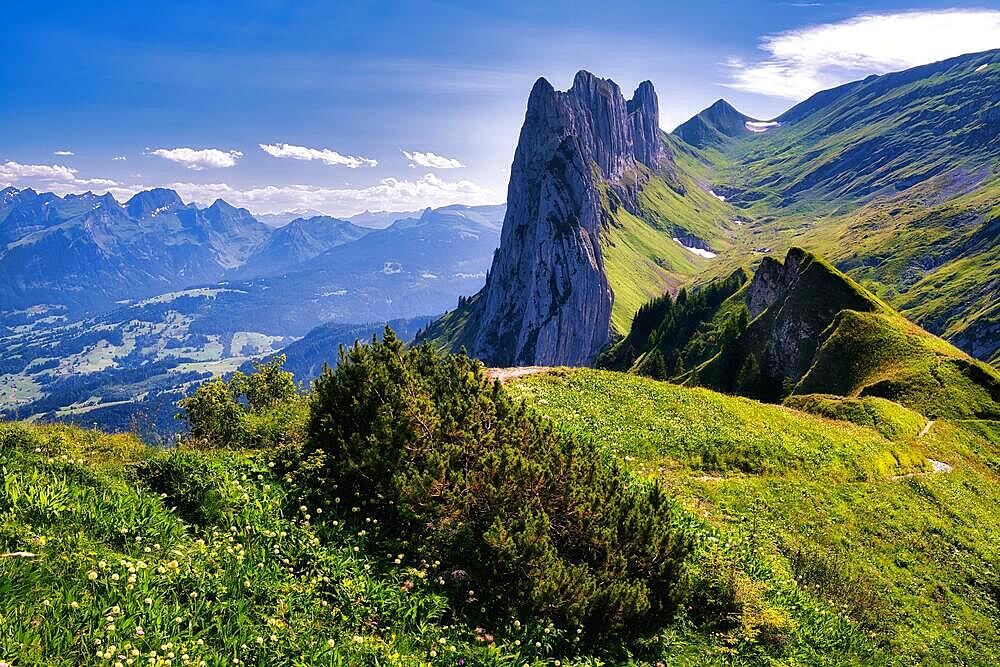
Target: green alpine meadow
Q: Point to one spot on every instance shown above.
(301, 365)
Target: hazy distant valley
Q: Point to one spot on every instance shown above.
(114, 311)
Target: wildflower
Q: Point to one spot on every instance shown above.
(139, 632)
(92, 575)
(329, 642)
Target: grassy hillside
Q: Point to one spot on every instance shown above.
(803, 327)
(410, 512)
(114, 553)
(881, 354)
(910, 561)
(893, 179)
(434, 520)
(641, 256)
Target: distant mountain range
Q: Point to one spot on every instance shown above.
(108, 309)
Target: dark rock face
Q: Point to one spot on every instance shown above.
(771, 280)
(547, 300)
(791, 305)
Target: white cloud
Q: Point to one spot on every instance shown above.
(198, 159)
(54, 177)
(432, 160)
(119, 158)
(804, 61)
(389, 194)
(326, 155)
(63, 153)
(11, 171)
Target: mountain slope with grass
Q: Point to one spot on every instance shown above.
(894, 179)
(408, 510)
(803, 327)
(854, 513)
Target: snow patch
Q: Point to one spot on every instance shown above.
(716, 195)
(701, 252)
(982, 67)
(390, 268)
(760, 126)
(203, 292)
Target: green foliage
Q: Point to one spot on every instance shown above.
(685, 332)
(262, 409)
(518, 517)
(888, 418)
(748, 379)
(100, 564)
(907, 562)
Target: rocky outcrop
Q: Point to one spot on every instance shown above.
(547, 299)
(771, 280)
(791, 305)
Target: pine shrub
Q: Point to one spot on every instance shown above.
(515, 516)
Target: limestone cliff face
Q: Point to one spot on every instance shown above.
(791, 305)
(547, 300)
(771, 280)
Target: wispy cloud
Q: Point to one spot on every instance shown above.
(804, 61)
(63, 153)
(56, 177)
(432, 160)
(198, 159)
(119, 158)
(389, 194)
(324, 155)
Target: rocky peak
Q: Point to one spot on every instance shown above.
(152, 202)
(772, 279)
(547, 299)
(644, 122)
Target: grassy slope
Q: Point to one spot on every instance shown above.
(832, 180)
(640, 256)
(912, 562)
(887, 417)
(114, 552)
(222, 569)
(883, 354)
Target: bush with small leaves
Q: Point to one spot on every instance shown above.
(519, 517)
(262, 409)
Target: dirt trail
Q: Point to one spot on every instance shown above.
(927, 427)
(504, 374)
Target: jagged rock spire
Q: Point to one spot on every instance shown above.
(547, 299)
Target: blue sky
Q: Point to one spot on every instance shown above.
(314, 105)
